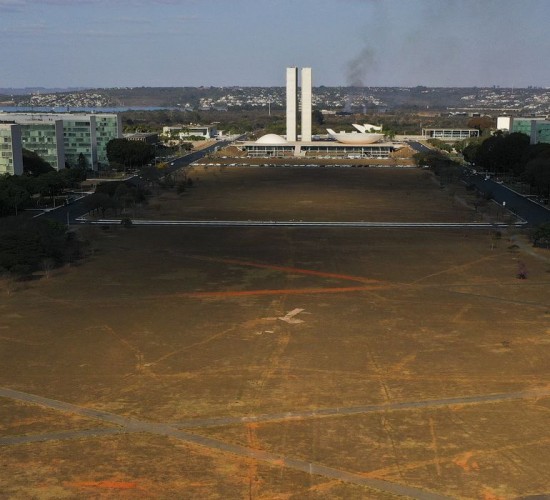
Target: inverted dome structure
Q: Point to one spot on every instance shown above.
(272, 139)
(355, 137)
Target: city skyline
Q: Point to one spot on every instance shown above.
(96, 43)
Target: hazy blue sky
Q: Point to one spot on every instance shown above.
(107, 43)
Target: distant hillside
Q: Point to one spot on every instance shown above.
(347, 99)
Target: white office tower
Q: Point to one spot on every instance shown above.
(291, 103)
(306, 104)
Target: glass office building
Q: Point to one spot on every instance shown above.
(107, 127)
(46, 140)
(11, 152)
(79, 139)
(84, 137)
(538, 129)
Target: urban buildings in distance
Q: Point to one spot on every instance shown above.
(534, 101)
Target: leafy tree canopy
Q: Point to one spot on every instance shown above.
(129, 153)
(25, 243)
(34, 165)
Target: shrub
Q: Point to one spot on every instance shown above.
(126, 222)
(541, 236)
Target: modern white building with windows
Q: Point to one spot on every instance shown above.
(185, 131)
(449, 134)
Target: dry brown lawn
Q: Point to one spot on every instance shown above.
(197, 328)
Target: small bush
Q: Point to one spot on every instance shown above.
(126, 222)
(541, 236)
(181, 187)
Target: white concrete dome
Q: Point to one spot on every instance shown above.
(271, 139)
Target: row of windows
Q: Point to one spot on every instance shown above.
(38, 140)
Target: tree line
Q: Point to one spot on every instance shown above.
(513, 155)
(29, 245)
(25, 191)
(129, 154)
(116, 196)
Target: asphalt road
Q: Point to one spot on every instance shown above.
(417, 146)
(527, 209)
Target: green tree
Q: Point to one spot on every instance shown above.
(51, 184)
(482, 123)
(150, 175)
(469, 151)
(541, 236)
(72, 177)
(129, 153)
(82, 162)
(26, 243)
(100, 202)
(503, 153)
(317, 117)
(34, 165)
(537, 173)
(12, 197)
(389, 133)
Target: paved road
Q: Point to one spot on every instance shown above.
(527, 209)
(419, 147)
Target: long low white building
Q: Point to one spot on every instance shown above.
(272, 145)
(449, 134)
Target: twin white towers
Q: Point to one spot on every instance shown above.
(292, 104)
